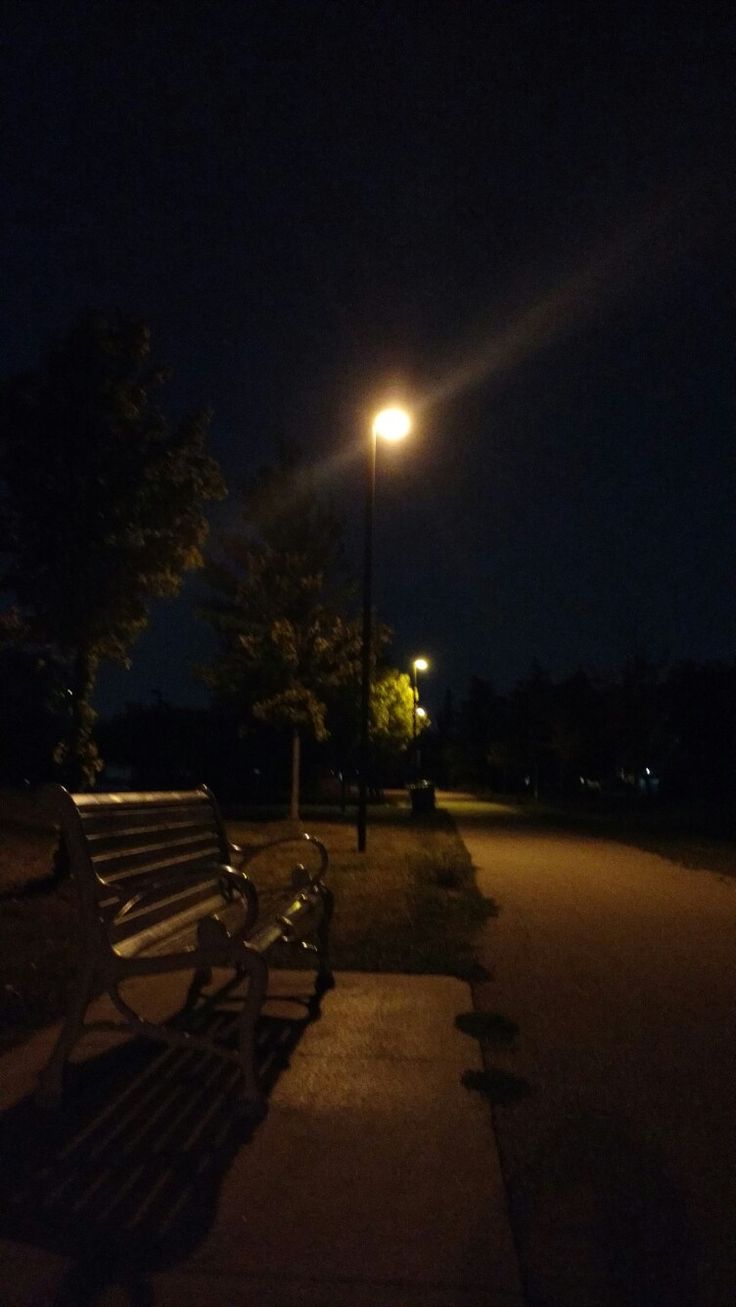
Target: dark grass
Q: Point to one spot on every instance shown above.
(410, 903)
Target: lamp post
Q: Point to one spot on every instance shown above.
(390, 424)
(418, 665)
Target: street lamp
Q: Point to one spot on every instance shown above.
(390, 424)
(418, 665)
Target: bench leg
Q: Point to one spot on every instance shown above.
(256, 969)
(51, 1080)
(200, 980)
(325, 979)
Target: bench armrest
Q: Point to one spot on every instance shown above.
(234, 880)
(253, 851)
(241, 853)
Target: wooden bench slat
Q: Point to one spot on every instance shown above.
(164, 932)
(122, 819)
(141, 798)
(139, 835)
(121, 832)
(118, 818)
(100, 819)
(143, 826)
(111, 862)
(193, 862)
(162, 899)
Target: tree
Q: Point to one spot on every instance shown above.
(285, 638)
(530, 714)
(474, 748)
(392, 708)
(637, 717)
(575, 736)
(101, 505)
(697, 754)
(390, 718)
(391, 714)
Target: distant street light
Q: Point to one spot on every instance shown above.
(390, 424)
(418, 665)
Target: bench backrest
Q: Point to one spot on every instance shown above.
(142, 858)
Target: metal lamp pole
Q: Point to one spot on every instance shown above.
(418, 665)
(390, 424)
(367, 638)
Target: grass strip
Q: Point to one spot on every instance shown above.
(408, 904)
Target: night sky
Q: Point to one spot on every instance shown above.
(518, 215)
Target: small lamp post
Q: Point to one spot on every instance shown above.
(390, 424)
(418, 665)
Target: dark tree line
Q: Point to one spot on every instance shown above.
(651, 729)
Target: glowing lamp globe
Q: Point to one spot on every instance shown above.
(392, 424)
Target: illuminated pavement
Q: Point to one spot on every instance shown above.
(620, 1146)
(373, 1180)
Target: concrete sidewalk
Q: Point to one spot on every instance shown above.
(374, 1179)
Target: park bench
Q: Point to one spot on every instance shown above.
(162, 889)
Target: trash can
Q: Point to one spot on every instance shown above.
(421, 794)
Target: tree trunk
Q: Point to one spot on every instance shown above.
(81, 762)
(295, 761)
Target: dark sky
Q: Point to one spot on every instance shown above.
(520, 213)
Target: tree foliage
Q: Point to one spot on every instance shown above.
(651, 728)
(101, 503)
(282, 616)
(283, 644)
(392, 710)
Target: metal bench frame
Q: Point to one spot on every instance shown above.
(163, 860)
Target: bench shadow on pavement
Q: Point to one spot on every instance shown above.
(124, 1179)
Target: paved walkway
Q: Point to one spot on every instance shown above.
(373, 1180)
(619, 1146)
